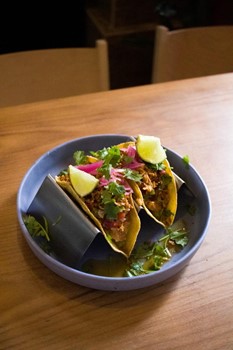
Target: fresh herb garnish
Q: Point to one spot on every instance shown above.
(100, 154)
(111, 210)
(35, 228)
(132, 175)
(186, 161)
(156, 167)
(105, 170)
(165, 180)
(178, 236)
(63, 172)
(116, 189)
(126, 159)
(110, 155)
(149, 257)
(79, 157)
(110, 195)
(40, 231)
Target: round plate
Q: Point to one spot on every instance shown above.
(193, 194)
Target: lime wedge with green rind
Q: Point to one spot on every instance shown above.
(82, 182)
(149, 149)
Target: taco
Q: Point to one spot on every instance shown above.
(157, 192)
(110, 205)
(156, 189)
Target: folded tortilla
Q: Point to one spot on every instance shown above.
(122, 243)
(157, 191)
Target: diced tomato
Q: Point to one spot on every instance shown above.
(121, 216)
(111, 223)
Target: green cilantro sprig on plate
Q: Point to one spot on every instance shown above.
(149, 257)
(35, 228)
(186, 161)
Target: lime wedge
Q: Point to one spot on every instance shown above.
(149, 149)
(82, 182)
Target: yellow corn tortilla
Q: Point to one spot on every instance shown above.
(172, 203)
(126, 246)
(172, 190)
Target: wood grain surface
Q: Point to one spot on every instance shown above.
(192, 310)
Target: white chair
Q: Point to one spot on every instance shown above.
(37, 75)
(192, 52)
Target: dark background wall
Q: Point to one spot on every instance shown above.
(39, 25)
(128, 28)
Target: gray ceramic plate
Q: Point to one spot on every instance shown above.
(60, 157)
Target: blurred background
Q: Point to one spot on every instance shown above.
(127, 25)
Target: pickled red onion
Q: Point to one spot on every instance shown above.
(90, 168)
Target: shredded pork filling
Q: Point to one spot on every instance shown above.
(117, 228)
(155, 193)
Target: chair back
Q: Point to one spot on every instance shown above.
(37, 75)
(192, 52)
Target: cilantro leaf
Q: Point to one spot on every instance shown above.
(63, 172)
(165, 180)
(105, 170)
(132, 175)
(179, 236)
(149, 257)
(156, 167)
(35, 228)
(186, 161)
(79, 157)
(110, 195)
(101, 154)
(116, 190)
(111, 210)
(110, 155)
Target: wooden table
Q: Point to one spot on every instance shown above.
(192, 310)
